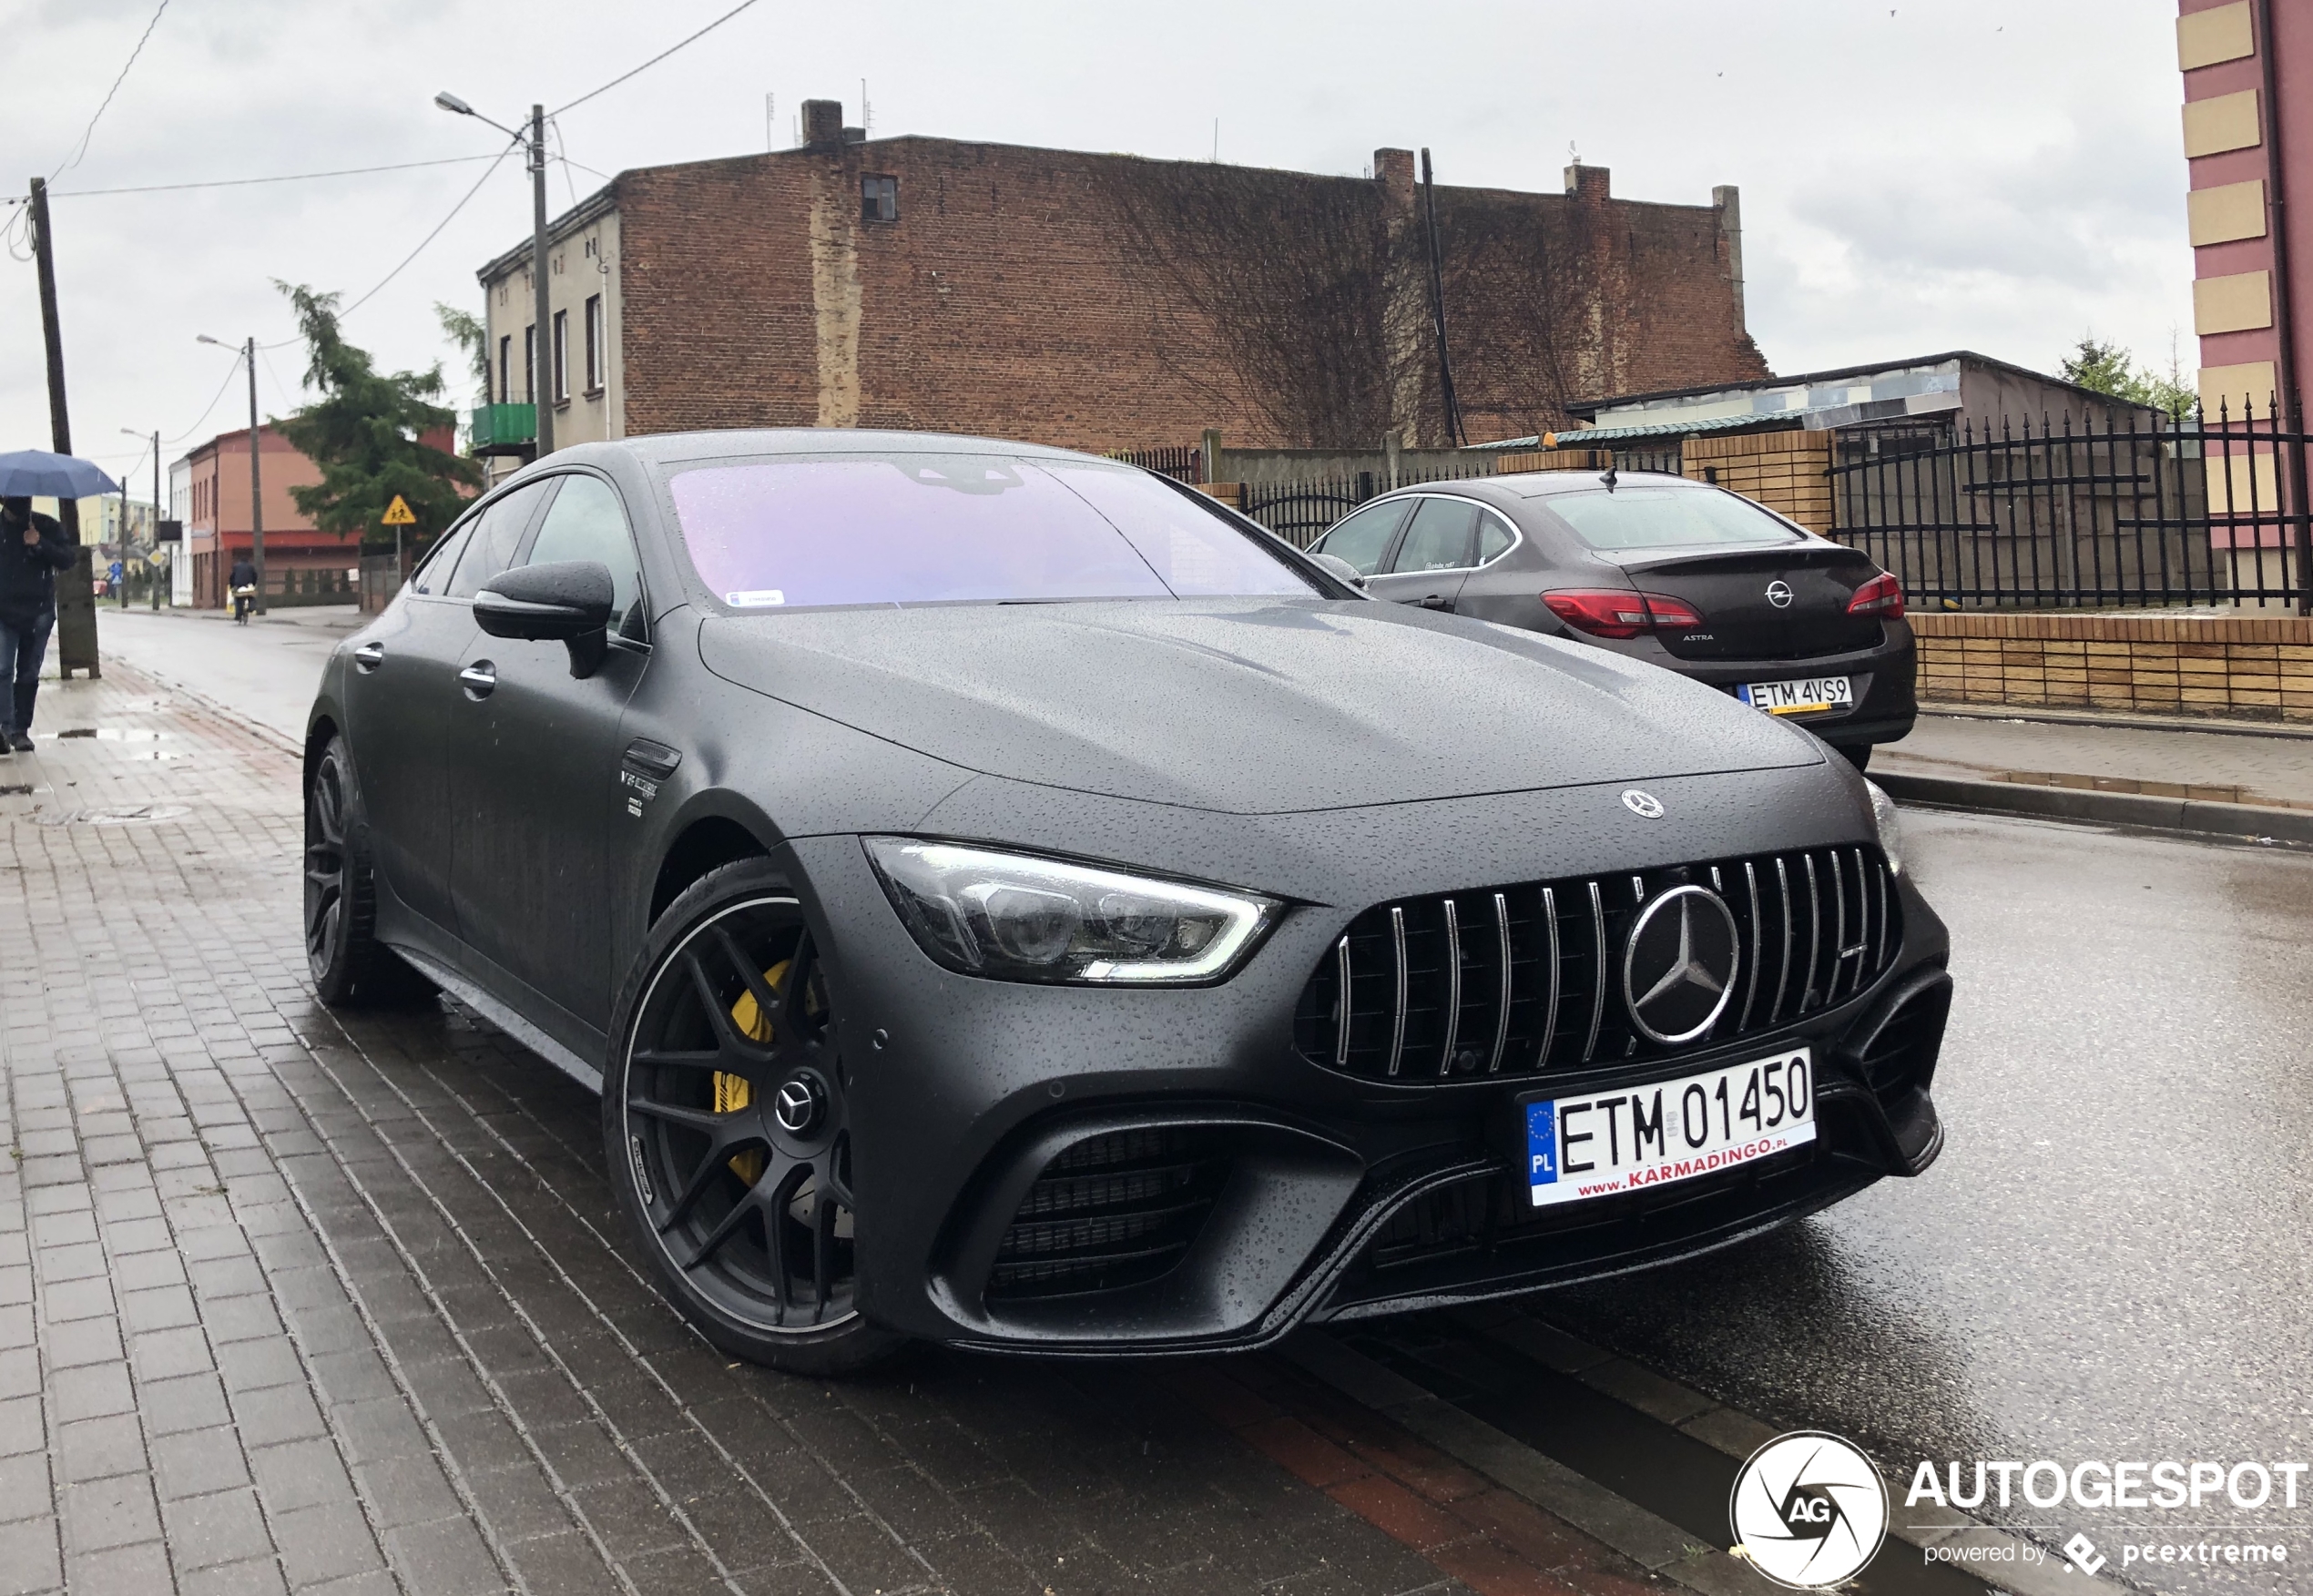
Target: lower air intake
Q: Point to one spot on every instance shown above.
(1111, 1212)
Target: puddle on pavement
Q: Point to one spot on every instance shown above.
(113, 734)
(118, 815)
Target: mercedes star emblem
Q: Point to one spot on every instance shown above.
(1678, 967)
(796, 1104)
(1779, 594)
(1644, 805)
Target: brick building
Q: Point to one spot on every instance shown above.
(1101, 301)
(209, 487)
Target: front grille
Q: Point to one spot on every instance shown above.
(1112, 1211)
(1505, 982)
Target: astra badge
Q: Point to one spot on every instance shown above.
(1808, 1510)
(1644, 805)
(1779, 594)
(1678, 967)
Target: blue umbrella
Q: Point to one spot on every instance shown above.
(36, 473)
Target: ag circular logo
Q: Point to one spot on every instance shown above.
(1644, 805)
(1678, 967)
(1808, 1509)
(1779, 594)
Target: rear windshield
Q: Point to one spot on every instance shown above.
(1657, 518)
(902, 529)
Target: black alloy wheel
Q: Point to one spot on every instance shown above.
(349, 965)
(727, 1121)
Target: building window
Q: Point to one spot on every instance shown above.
(594, 344)
(562, 356)
(879, 199)
(530, 364)
(506, 360)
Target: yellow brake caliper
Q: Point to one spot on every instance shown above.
(731, 1092)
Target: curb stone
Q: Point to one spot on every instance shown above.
(2193, 816)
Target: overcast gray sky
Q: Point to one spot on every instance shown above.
(1915, 177)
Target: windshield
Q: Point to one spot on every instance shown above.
(1657, 518)
(899, 529)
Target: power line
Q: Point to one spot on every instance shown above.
(429, 239)
(654, 60)
(245, 182)
(231, 373)
(90, 131)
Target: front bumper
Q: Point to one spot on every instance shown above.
(1302, 1194)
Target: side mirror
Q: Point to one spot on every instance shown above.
(567, 601)
(1338, 566)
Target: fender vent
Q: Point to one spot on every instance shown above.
(1111, 1212)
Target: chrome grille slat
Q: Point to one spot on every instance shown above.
(1750, 989)
(1397, 1009)
(1598, 972)
(1501, 987)
(1369, 1003)
(1453, 986)
(1550, 974)
(1347, 1005)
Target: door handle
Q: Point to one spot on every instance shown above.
(653, 761)
(1436, 601)
(479, 678)
(369, 656)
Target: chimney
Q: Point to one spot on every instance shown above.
(1587, 184)
(1393, 169)
(822, 124)
(1728, 201)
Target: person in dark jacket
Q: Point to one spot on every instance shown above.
(33, 549)
(243, 576)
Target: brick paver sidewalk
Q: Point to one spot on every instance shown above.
(293, 1303)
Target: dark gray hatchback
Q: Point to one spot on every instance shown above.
(1686, 575)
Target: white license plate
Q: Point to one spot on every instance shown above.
(1640, 1136)
(1799, 697)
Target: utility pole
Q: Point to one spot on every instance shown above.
(256, 483)
(59, 420)
(153, 558)
(543, 363)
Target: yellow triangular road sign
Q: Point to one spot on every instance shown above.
(398, 514)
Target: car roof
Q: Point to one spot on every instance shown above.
(1514, 488)
(676, 448)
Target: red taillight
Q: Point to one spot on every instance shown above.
(1604, 613)
(1881, 596)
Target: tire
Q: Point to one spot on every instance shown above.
(351, 967)
(726, 1130)
(1858, 754)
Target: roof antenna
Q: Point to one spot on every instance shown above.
(1608, 477)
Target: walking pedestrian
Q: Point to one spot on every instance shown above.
(243, 582)
(33, 549)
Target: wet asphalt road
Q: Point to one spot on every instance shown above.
(267, 670)
(2110, 1262)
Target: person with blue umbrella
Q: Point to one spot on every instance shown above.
(33, 549)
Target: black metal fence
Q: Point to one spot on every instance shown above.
(2075, 515)
(1185, 464)
(1299, 511)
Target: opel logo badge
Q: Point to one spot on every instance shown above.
(796, 1104)
(1644, 805)
(1679, 966)
(1779, 594)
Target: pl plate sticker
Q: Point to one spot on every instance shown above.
(1808, 1510)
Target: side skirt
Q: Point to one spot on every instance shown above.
(504, 1018)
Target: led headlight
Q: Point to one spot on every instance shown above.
(1018, 918)
(1890, 829)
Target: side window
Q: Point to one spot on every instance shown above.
(1364, 537)
(490, 545)
(1494, 538)
(1442, 537)
(432, 573)
(586, 522)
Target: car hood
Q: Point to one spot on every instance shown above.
(1249, 707)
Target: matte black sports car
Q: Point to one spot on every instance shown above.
(1687, 576)
(1006, 898)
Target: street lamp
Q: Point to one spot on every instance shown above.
(542, 332)
(256, 477)
(124, 521)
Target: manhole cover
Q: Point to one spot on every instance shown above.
(118, 815)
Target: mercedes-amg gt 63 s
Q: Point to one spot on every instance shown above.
(1006, 898)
